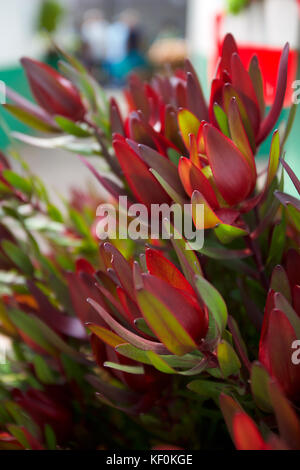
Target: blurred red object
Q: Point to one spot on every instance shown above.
(268, 58)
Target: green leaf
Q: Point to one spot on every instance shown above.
(164, 324)
(21, 418)
(43, 371)
(295, 215)
(188, 260)
(18, 257)
(79, 223)
(142, 326)
(41, 334)
(216, 251)
(19, 434)
(50, 437)
(108, 337)
(222, 120)
(174, 195)
(228, 360)
(277, 243)
(71, 71)
(54, 213)
(174, 156)
(260, 387)
(214, 301)
(227, 233)
(131, 352)
(71, 128)
(274, 158)
(30, 119)
(185, 362)
(159, 363)
(17, 181)
(282, 304)
(208, 389)
(280, 283)
(65, 142)
(188, 124)
(73, 370)
(56, 282)
(136, 370)
(5, 189)
(258, 84)
(30, 326)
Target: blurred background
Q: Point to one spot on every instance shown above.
(116, 37)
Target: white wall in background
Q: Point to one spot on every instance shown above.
(272, 22)
(282, 22)
(200, 25)
(17, 23)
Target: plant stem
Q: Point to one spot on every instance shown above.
(258, 260)
(107, 156)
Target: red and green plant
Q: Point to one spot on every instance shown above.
(134, 345)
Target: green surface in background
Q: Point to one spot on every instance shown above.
(15, 79)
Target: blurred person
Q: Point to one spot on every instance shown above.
(94, 30)
(124, 41)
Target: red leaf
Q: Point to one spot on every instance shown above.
(9, 442)
(52, 91)
(162, 268)
(171, 129)
(229, 48)
(271, 119)
(275, 352)
(167, 170)
(195, 99)
(246, 434)
(82, 265)
(238, 134)
(183, 306)
(127, 335)
(140, 132)
(232, 173)
(121, 267)
(130, 307)
(31, 108)
(60, 322)
(81, 287)
(194, 180)
(229, 408)
(116, 122)
(229, 92)
(138, 95)
(142, 183)
(243, 84)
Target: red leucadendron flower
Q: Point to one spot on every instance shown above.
(52, 91)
